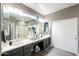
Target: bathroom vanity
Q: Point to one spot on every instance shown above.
(25, 48)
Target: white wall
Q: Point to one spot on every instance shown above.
(65, 34)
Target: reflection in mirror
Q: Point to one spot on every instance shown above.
(46, 26)
(15, 23)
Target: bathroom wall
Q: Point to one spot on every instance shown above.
(66, 13)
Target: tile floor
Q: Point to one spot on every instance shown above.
(58, 52)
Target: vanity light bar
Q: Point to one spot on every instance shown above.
(17, 11)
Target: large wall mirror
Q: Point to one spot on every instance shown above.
(17, 24)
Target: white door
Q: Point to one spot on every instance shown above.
(65, 34)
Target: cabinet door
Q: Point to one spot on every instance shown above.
(27, 50)
(19, 53)
(48, 42)
(44, 43)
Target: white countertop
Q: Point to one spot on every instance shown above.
(23, 42)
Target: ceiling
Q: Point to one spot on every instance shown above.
(47, 8)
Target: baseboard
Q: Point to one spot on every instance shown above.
(77, 54)
(66, 51)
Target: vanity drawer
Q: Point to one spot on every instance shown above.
(20, 53)
(15, 52)
(28, 46)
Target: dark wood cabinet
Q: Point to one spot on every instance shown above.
(22, 51)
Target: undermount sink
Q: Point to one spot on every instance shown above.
(37, 37)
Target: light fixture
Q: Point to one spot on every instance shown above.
(42, 20)
(17, 11)
(21, 23)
